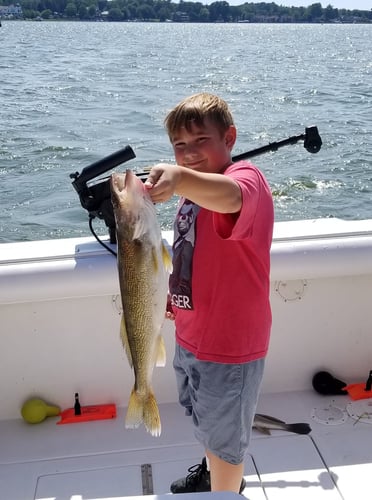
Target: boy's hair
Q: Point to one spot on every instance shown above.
(194, 110)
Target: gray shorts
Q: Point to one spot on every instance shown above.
(222, 400)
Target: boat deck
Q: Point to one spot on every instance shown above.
(101, 460)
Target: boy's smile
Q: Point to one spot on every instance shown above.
(204, 148)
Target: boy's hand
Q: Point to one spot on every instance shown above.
(162, 181)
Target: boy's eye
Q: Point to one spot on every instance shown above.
(197, 140)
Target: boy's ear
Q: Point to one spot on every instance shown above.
(230, 137)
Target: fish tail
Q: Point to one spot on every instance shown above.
(143, 409)
(301, 428)
(134, 416)
(151, 417)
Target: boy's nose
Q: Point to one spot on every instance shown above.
(190, 150)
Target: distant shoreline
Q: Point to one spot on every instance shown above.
(164, 11)
(156, 21)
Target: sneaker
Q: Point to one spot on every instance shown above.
(197, 481)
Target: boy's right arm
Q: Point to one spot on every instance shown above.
(215, 192)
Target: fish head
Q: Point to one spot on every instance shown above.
(133, 207)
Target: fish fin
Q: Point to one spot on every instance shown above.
(270, 418)
(167, 259)
(165, 256)
(161, 355)
(263, 430)
(134, 416)
(151, 417)
(140, 229)
(300, 428)
(124, 339)
(143, 409)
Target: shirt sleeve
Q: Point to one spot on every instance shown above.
(240, 225)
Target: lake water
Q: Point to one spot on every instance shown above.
(72, 93)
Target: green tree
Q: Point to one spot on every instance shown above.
(115, 14)
(219, 11)
(204, 14)
(194, 11)
(315, 11)
(164, 13)
(83, 12)
(59, 6)
(46, 14)
(30, 13)
(102, 5)
(30, 5)
(330, 13)
(71, 10)
(247, 12)
(92, 11)
(132, 10)
(46, 5)
(146, 12)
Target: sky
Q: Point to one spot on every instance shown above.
(336, 4)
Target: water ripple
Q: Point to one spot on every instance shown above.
(72, 93)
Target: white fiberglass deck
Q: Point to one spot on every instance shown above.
(102, 460)
(59, 335)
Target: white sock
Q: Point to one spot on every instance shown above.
(207, 462)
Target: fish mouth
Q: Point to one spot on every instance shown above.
(128, 178)
(117, 182)
(121, 182)
(118, 189)
(128, 192)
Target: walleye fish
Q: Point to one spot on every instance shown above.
(143, 265)
(265, 423)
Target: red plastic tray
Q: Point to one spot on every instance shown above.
(88, 414)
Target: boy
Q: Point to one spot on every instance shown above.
(219, 287)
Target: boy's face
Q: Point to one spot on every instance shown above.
(204, 148)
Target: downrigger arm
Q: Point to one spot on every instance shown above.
(96, 196)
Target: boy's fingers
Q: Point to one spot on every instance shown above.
(154, 175)
(151, 179)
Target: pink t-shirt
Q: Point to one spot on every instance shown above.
(220, 281)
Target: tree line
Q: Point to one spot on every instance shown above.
(185, 11)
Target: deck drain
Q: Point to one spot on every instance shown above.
(361, 410)
(330, 415)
